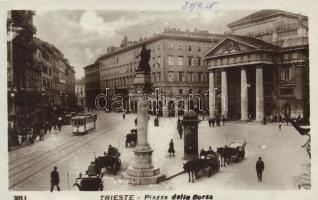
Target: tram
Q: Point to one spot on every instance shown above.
(83, 123)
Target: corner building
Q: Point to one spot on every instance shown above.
(261, 69)
(177, 67)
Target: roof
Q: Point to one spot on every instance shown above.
(182, 34)
(249, 41)
(258, 44)
(265, 13)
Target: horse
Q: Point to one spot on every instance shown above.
(194, 167)
(224, 157)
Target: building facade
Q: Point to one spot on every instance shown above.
(36, 75)
(177, 67)
(80, 92)
(92, 84)
(261, 69)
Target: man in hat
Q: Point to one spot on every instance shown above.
(55, 179)
(259, 168)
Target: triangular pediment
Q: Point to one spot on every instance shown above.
(230, 46)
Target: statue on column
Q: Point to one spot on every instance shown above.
(144, 60)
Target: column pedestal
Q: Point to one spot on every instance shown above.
(142, 171)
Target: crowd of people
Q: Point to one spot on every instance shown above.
(28, 135)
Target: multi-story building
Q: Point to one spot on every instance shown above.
(36, 70)
(80, 92)
(58, 77)
(177, 66)
(92, 84)
(261, 69)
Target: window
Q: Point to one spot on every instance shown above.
(190, 76)
(180, 76)
(286, 73)
(190, 61)
(159, 77)
(180, 61)
(199, 48)
(199, 61)
(189, 48)
(180, 47)
(170, 76)
(190, 91)
(158, 61)
(158, 48)
(180, 91)
(170, 46)
(170, 60)
(199, 76)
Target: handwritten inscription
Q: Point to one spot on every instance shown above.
(198, 5)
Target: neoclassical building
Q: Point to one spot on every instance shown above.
(261, 67)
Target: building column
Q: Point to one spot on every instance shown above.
(224, 94)
(244, 95)
(259, 94)
(211, 95)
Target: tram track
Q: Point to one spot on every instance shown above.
(34, 155)
(39, 166)
(21, 169)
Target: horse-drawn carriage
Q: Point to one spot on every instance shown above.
(89, 183)
(233, 151)
(209, 165)
(111, 161)
(131, 138)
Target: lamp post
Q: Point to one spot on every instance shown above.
(156, 122)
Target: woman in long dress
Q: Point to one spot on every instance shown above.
(171, 148)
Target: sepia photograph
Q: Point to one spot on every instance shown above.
(158, 100)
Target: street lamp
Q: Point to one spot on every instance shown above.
(156, 122)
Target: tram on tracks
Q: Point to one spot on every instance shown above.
(83, 123)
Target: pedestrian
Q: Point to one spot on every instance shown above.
(210, 122)
(213, 122)
(136, 121)
(264, 120)
(223, 120)
(260, 168)
(180, 129)
(171, 148)
(124, 116)
(45, 127)
(280, 126)
(59, 123)
(50, 127)
(55, 179)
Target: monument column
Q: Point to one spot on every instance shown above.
(211, 95)
(244, 95)
(259, 94)
(224, 94)
(142, 171)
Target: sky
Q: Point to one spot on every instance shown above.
(84, 35)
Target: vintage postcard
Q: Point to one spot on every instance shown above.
(145, 100)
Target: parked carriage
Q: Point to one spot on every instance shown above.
(83, 123)
(198, 167)
(131, 138)
(109, 161)
(233, 151)
(89, 183)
